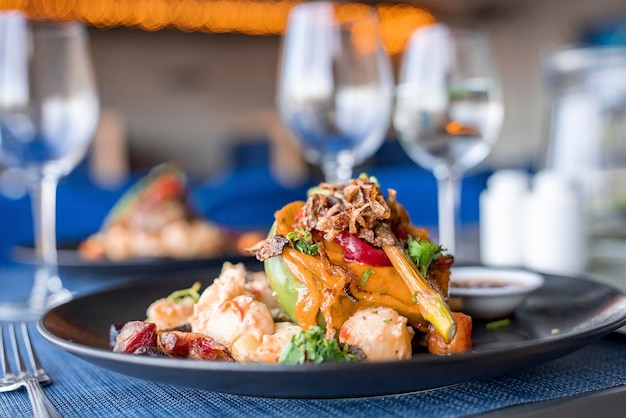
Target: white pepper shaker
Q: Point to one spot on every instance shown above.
(502, 219)
(555, 237)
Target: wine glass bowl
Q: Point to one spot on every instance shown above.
(57, 108)
(48, 114)
(335, 85)
(448, 110)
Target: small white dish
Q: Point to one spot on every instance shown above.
(490, 293)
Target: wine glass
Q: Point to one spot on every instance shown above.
(48, 114)
(448, 110)
(335, 86)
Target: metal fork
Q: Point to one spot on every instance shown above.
(31, 380)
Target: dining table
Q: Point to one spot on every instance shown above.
(591, 381)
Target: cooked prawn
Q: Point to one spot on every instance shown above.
(381, 333)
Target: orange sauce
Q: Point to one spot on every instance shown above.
(326, 283)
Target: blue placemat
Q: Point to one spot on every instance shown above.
(84, 390)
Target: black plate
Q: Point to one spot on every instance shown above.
(70, 260)
(561, 317)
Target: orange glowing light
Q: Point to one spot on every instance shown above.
(251, 17)
(459, 129)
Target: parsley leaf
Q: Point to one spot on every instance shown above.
(302, 240)
(423, 253)
(311, 346)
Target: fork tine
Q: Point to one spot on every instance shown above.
(32, 355)
(42, 407)
(4, 357)
(17, 352)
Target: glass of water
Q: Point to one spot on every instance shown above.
(448, 110)
(335, 85)
(48, 114)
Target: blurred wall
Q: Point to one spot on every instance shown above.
(186, 96)
(189, 96)
(522, 35)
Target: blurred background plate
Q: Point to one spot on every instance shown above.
(70, 260)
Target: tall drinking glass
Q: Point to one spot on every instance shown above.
(48, 113)
(448, 110)
(335, 85)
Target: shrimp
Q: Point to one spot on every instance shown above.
(236, 280)
(174, 310)
(227, 286)
(381, 333)
(228, 321)
(235, 307)
(248, 349)
(166, 313)
(272, 345)
(258, 285)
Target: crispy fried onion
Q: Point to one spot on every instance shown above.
(270, 247)
(357, 208)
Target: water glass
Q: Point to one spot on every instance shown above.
(587, 138)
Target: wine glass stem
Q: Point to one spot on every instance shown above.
(448, 195)
(47, 281)
(337, 169)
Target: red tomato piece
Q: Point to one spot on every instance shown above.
(355, 249)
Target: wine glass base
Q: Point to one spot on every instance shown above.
(27, 310)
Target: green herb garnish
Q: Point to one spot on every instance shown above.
(422, 253)
(366, 275)
(502, 323)
(302, 240)
(311, 346)
(192, 293)
(371, 179)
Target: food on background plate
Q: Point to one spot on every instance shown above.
(154, 219)
(346, 277)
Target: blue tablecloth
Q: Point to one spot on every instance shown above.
(81, 389)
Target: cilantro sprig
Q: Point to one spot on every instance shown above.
(302, 240)
(422, 253)
(191, 293)
(311, 346)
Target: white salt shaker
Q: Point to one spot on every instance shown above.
(502, 219)
(555, 237)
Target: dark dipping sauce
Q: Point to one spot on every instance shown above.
(484, 284)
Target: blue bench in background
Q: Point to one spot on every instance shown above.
(243, 198)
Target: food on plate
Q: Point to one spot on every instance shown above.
(381, 333)
(140, 337)
(174, 310)
(154, 219)
(461, 343)
(349, 248)
(346, 277)
(237, 312)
